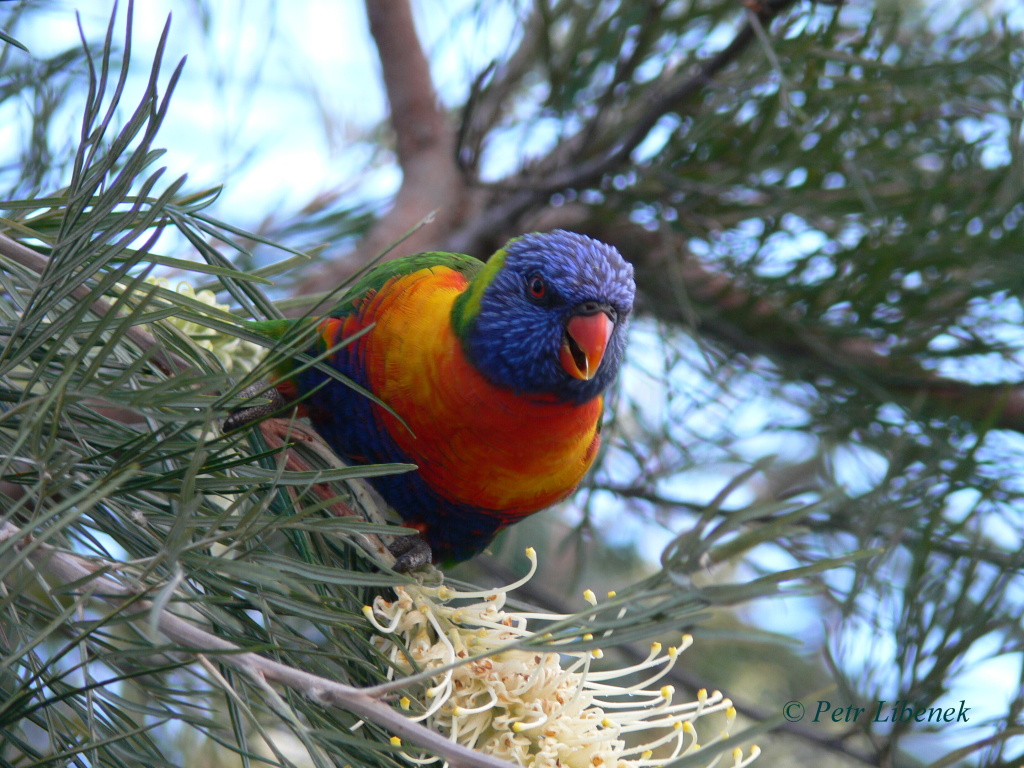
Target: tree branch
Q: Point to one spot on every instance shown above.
(477, 220)
(297, 437)
(670, 100)
(425, 142)
(24, 256)
(68, 568)
(501, 217)
(678, 288)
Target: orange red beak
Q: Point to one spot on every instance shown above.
(586, 338)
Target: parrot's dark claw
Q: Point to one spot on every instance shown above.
(410, 553)
(275, 403)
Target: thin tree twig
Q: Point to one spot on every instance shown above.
(68, 568)
(488, 102)
(954, 757)
(671, 99)
(499, 217)
(956, 548)
(24, 256)
(279, 433)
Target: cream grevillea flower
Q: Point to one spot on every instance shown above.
(536, 708)
(236, 355)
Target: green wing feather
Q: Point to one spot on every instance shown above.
(373, 279)
(302, 331)
(376, 276)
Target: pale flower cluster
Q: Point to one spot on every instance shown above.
(536, 708)
(236, 355)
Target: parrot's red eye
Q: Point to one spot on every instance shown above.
(537, 288)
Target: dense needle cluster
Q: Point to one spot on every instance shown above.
(536, 708)
(236, 355)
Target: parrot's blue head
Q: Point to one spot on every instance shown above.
(547, 315)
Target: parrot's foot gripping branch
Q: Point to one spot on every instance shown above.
(275, 403)
(410, 553)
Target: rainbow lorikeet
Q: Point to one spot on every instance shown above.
(497, 371)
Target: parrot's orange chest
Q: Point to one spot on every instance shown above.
(475, 443)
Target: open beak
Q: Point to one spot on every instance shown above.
(584, 342)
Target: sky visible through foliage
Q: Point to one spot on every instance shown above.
(279, 129)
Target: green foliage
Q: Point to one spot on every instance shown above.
(110, 448)
(110, 451)
(851, 188)
(854, 176)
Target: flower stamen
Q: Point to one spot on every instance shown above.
(533, 707)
